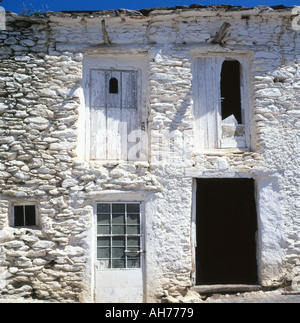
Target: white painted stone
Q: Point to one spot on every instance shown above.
(269, 92)
(43, 245)
(44, 112)
(22, 78)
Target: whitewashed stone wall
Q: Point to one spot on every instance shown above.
(42, 137)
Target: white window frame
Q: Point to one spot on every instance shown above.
(141, 234)
(211, 125)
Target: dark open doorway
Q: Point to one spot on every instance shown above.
(226, 225)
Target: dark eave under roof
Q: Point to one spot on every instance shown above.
(149, 12)
(146, 12)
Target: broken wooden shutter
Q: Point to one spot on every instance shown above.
(215, 127)
(98, 125)
(115, 116)
(207, 107)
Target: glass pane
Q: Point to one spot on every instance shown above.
(118, 252)
(103, 208)
(133, 218)
(118, 263)
(133, 263)
(118, 241)
(103, 252)
(18, 216)
(29, 215)
(118, 229)
(118, 208)
(103, 229)
(133, 208)
(118, 218)
(103, 218)
(103, 241)
(133, 242)
(133, 229)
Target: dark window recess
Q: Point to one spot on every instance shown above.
(24, 215)
(231, 90)
(113, 86)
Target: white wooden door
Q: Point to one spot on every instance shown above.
(116, 125)
(119, 260)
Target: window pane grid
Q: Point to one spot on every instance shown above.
(118, 235)
(24, 215)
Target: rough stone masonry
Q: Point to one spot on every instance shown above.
(45, 141)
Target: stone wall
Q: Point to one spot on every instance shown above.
(42, 128)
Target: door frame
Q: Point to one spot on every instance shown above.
(124, 199)
(258, 237)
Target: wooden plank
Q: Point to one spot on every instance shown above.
(211, 103)
(222, 33)
(129, 89)
(98, 134)
(123, 130)
(113, 135)
(201, 117)
(98, 88)
(128, 132)
(290, 293)
(98, 115)
(228, 288)
(207, 103)
(105, 34)
(218, 67)
(132, 115)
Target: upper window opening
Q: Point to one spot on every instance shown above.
(113, 86)
(221, 103)
(231, 90)
(24, 215)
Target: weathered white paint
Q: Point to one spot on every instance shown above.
(115, 123)
(271, 249)
(119, 286)
(45, 142)
(207, 109)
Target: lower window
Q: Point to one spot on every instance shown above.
(24, 215)
(118, 235)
